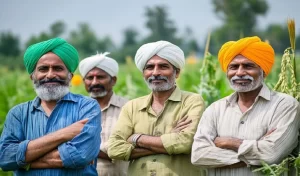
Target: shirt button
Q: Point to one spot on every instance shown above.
(242, 122)
(153, 173)
(154, 160)
(158, 133)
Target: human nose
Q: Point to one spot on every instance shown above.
(156, 72)
(50, 74)
(240, 71)
(94, 81)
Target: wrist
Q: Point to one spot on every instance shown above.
(135, 139)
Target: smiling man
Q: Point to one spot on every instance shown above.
(155, 132)
(253, 124)
(57, 133)
(99, 74)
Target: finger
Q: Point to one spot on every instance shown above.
(269, 132)
(183, 123)
(182, 120)
(182, 127)
(83, 121)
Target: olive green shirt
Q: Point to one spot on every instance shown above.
(137, 116)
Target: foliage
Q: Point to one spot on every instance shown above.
(9, 44)
(160, 26)
(287, 83)
(239, 20)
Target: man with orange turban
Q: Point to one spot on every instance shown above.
(251, 125)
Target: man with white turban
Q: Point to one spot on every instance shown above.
(99, 74)
(155, 132)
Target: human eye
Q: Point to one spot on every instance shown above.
(43, 69)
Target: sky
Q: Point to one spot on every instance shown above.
(27, 18)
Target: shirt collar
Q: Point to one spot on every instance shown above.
(113, 101)
(265, 93)
(175, 96)
(68, 97)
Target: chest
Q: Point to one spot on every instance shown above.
(250, 125)
(37, 123)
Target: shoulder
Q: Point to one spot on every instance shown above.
(121, 100)
(83, 100)
(190, 96)
(19, 110)
(137, 103)
(283, 98)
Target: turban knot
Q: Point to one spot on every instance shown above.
(250, 47)
(66, 52)
(163, 49)
(101, 61)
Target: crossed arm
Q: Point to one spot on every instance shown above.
(209, 150)
(176, 141)
(71, 147)
(43, 152)
(150, 145)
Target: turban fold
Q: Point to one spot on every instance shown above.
(101, 61)
(250, 47)
(163, 49)
(67, 53)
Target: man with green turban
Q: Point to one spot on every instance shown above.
(57, 133)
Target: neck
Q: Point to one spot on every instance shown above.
(48, 106)
(162, 96)
(247, 98)
(103, 101)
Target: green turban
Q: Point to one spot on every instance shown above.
(67, 53)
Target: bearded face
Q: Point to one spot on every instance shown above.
(51, 89)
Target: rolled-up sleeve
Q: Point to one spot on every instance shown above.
(181, 143)
(204, 151)
(274, 147)
(84, 148)
(13, 146)
(118, 147)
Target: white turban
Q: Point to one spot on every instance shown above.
(101, 61)
(163, 49)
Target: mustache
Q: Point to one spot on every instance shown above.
(153, 78)
(246, 77)
(96, 87)
(52, 80)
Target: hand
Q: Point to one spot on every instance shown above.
(181, 124)
(268, 133)
(228, 143)
(73, 130)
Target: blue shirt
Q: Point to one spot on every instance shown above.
(28, 121)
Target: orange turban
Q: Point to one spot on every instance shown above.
(250, 47)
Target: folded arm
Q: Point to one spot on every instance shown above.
(84, 147)
(274, 147)
(204, 150)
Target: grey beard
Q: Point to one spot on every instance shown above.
(51, 92)
(169, 84)
(98, 95)
(247, 88)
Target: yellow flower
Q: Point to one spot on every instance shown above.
(76, 80)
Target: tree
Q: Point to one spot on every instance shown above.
(160, 26)
(130, 37)
(86, 42)
(278, 37)
(9, 44)
(56, 30)
(239, 20)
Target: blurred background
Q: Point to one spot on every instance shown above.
(121, 27)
